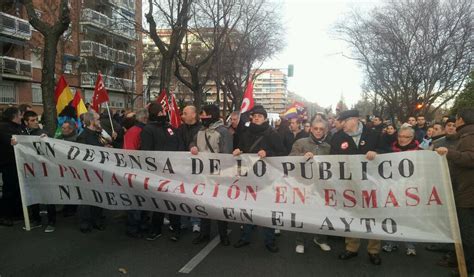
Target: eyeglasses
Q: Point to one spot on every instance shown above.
(406, 137)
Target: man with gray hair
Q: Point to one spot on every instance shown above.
(90, 216)
(314, 144)
(234, 127)
(355, 139)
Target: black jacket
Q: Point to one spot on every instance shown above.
(7, 154)
(343, 144)
(160, 137)
(34, 132)
(289, 139)
(90, 137)
(187, 133)
(270, 142)
(386, 142)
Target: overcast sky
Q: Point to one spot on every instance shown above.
(321, 73)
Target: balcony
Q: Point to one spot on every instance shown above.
(15, 68)
(105, 23)
(128, 5)
(14, 27)
(111, 83)
(95, 49)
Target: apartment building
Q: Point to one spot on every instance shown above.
(101, 37)
(270, 90)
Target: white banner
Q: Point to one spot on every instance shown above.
(405, 196)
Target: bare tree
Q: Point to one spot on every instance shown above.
(211, 21)
(257, 37)
(413, 51)
(173, 15)
(52, 27)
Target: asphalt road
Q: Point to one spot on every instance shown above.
(67, 252)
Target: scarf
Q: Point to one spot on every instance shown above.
(357, 134)
(258, 129)
(315, 140)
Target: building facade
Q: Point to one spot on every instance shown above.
(270, 90)
(101, 37)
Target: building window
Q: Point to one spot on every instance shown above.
(36, 94)
(68, 67)
(7, 93)
(116, 101)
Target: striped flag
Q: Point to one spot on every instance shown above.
(62, 95)
(78, 104)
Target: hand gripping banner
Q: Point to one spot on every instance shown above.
(404, 196)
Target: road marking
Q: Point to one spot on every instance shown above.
(187, 268)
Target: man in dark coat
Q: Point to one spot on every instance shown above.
(158, 135)
(10, 204)
(461, 159)
(32, 128)
(262, 139)
(91, 216)
(355, 139)
(187, 132)
(293, 134)
(190, 128)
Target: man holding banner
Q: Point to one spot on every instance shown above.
(461, 159)
(261, 139)
(355, 138)
(158, 135)
(308, 147)
(91, 216)
(214, 138)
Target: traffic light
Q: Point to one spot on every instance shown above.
(291, 68)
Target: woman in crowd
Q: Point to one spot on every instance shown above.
(389, 137)
(405, 142)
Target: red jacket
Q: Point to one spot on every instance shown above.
(131, 139)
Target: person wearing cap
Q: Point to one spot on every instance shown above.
(261, 139)
(158, 135)
(356, 139)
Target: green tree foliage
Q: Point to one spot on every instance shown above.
(466, 97)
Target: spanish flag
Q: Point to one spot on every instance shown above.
(62, 95)
(78, 104)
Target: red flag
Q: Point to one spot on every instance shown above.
(163, 100)
(175, 119)
(100, 93)
(247, 102)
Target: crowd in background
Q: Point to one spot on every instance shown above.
(346, 134)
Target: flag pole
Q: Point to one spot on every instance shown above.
(110, 117)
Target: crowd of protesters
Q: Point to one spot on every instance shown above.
(347, 134)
